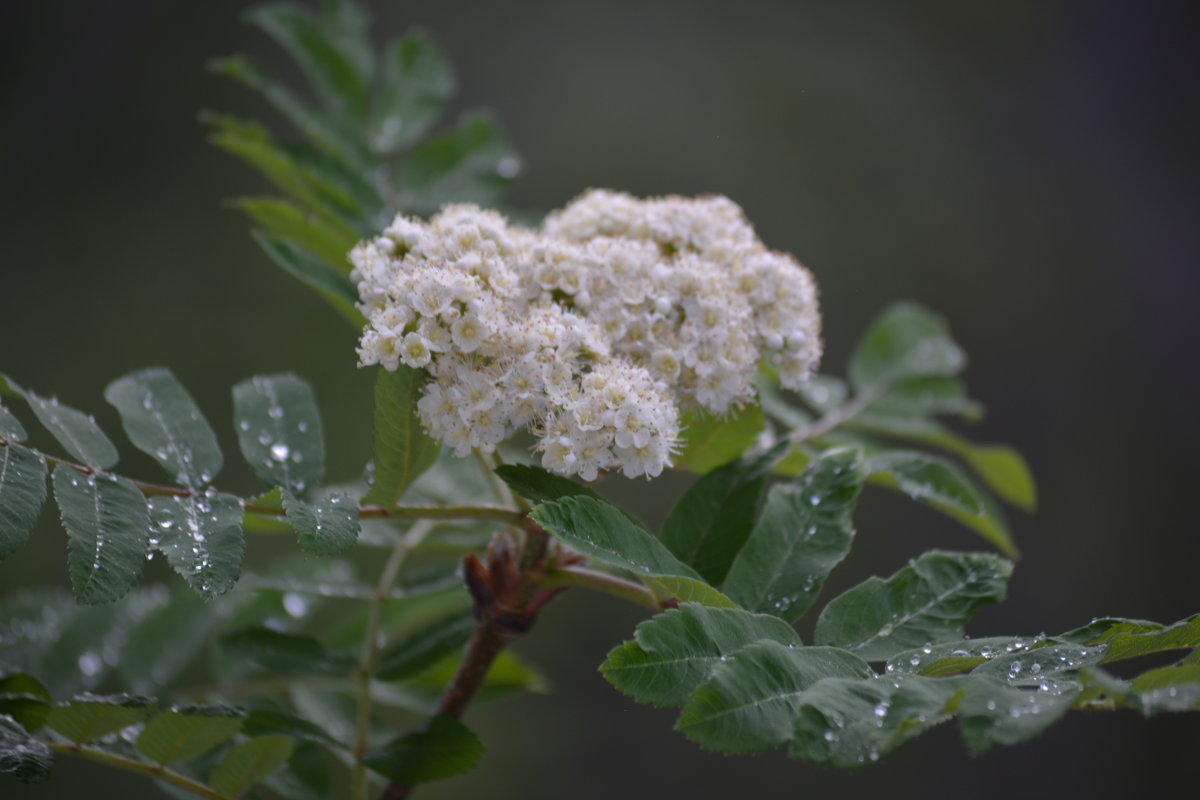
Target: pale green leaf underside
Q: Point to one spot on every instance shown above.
(250, 763)
(182, 735)
(89, 718)
(77, 432)
(711, 440)
(444, 747)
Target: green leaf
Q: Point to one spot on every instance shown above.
(425, 647)
(20, 683)
(91, 717)
(442, 748)
(673, 653)
(10, 427)
(688, 590)
(959, 655)
(187, 733)
(286, 653)
(847, 723)
(337, 77)
(712, 440)
(540, 486)
(929, 600)
(1172, 688)
(250, 763)
(285, 220)
(1051, 663)
(752, 699)
(805, 530)
(473, 164)
(260, 722)
(402, 448)
(26, 758)
(940, 483)
(417, 81)
(993, 713)
(77, 432)
(601, 531)
(507, 675)
(306, 776)
(326, 131)
(279, 430)
(929, 394)
(712, 520)
(107, 533)
(28, 711)
(162, 419)
(302, 265)
(256, 521)
(324, 187)
(22, 493)
(1128, 638)
(166, 642)
(202, 538)
(327, 526)
(906, 341)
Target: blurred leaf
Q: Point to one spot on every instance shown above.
(286, 653)
(24, 757)
(339, 79)
(416, 82)
(672, 653)
(24, 699)
(327, 526)
(167, 642)
(260, 722)
(1129, 638)
(279, 430)
(752, 699)
(805, 530)
(91, 717)
(425, 647)
(711, 440)
(940, 483)
(422, 693)
(306, 776)
(928, 394)
(906, 341)
(326, 131)
(334, 286)
(202, 538)
(442, 748)
(993, 713)
(282, 219)
(472, 164)
(107, 531)
(712, 520)
(77, 432)
(1171, 688)
(187, 733)
(250, 763)
(10, 427)
(929, 600)
(258, 522)
(22, 493)
(402, 448)
(20, 683)
(824, 393)
(162, 419)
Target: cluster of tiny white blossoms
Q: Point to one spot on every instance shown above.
(593, 331)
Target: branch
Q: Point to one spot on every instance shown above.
(157, 771)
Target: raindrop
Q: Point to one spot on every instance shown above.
(279, 451)
(275, 412)
(264, 438)
(90, 663)
(244, 425)
(295, 605)
(302, 427)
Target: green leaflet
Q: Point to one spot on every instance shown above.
(402, 448)
(187, 733)
(751, 700)
(279, 430)
(77, 432)
(425, 647)
(711, 440)
(993, 713)
(959, 655)
(804, 531)
(25, 700)
(202, 538)
(906, 341)
(26, 758)
(284, 220)
(674, 652)
(286, 653)
(539, 486)
(1129, 638)
(415, 84)
(308, 269)
(1051, 663)
(326, 527)
(602, 531)
(712, 520)
(161, 419)
(260, 722)
(929, 600)
(107, 530)
(10, 427)
(941, 484)
(442, 748)
(22, 493)
(250, 763)
(90, 717)
(472, 164)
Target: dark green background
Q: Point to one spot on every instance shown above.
(1028, 168)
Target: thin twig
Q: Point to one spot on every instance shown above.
(156, 771)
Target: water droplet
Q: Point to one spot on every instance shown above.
(830, 736)
(244, 425)
(275, 412)
(991, 705)
(302, 427)
(279, 451)
(295, 605)
(264, 438)
(90, 663)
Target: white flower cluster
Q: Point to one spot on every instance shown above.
(592, 331)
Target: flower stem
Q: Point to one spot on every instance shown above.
(156, 771)
(370, 649)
